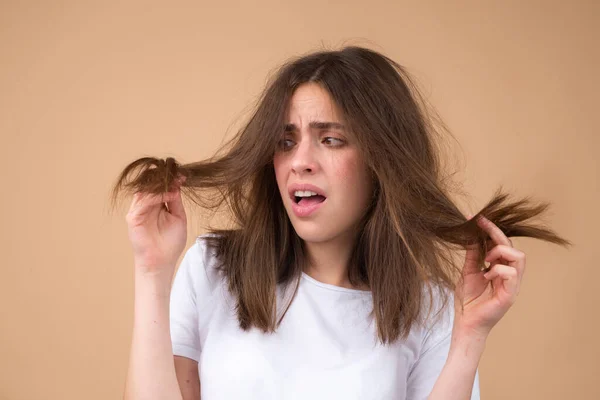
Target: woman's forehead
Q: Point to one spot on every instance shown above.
(311, 103)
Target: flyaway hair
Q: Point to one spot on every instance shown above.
(409, 235)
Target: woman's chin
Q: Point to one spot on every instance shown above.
(312, 234)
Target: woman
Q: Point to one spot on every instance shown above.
(338, 279)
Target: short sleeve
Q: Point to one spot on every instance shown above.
(191, 290)
(432, 358)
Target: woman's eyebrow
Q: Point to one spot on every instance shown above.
(316, 125)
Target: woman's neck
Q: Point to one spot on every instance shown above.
(328, 261)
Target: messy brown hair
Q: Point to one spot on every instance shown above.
(412, 230)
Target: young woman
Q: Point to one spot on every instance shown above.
(338, 279)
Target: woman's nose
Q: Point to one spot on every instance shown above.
(304, 158)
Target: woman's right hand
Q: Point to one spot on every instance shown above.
(158, 236)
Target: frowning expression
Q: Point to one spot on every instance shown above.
(322, 178)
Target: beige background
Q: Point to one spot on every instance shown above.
(87, 87)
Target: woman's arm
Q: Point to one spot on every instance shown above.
(151, 373)
(458, 375)
(187, 376)
(480, 301)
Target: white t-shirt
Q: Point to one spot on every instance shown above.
(325, 347)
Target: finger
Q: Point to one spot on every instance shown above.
(513, 257)
(490, 243)
(139, 202)
(471, 265)
(146, 203)
(177, 183)
(175, 204)
(164, 204)
(510, 279)
(148, 200)
(493, 231)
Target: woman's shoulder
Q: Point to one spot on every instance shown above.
(201, 260)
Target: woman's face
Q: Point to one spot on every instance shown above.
(316, 152)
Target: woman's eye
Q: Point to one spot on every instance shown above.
(285, 144)
(333, 141)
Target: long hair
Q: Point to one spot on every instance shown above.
(407, 237)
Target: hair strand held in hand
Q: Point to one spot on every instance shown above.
(408, 235)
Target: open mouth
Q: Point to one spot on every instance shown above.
(309, 200)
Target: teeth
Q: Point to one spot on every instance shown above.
(304, 193)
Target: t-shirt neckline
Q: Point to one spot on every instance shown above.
(333, 287)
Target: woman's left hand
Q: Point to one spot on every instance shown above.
(481, 300)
